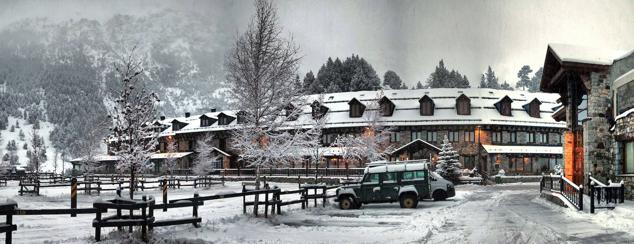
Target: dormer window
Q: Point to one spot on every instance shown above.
(177, 125)
(463, 105)
(532, 108)
(356, 108)
(426, 106)
(386, 106)
(318, 110)
(224, 119)
(242, 117)
(504, 106)
(206, 121)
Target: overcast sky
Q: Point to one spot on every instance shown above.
(409, 37)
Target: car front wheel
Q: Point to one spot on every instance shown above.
(409, 201)
(439, 195)
(346, 203)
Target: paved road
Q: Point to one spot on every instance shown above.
(514, 215)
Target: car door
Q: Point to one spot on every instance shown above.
(389, 187)
(370, 188)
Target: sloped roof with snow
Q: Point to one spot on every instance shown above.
(407, 110)
(588, 55)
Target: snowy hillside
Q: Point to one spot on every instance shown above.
(44, 131)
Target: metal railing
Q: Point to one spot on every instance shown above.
(569, 190)
(605, 196)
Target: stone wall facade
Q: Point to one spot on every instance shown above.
(623, 130)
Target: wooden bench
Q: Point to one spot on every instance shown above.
(145, 219)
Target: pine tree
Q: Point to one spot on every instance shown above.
(12, 128)
(483, 83)
(524, 79)
(537, 78)
(309, 79)
(491, 79)
(448, 165)
(506, 86)
(25, 146)
(419, 85)
(21, 135)
(392, 80)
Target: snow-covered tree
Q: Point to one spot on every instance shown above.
(373, 143)
(132, 116)
(37, 152)
(89, 147)
(392, 80)
(261, 74)
(204, 162)
(312, 138)
(21, 135)
(169, 164)
(448, 165)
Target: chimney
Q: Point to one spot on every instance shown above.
(213, 110)
(162, 117)
(187, 114)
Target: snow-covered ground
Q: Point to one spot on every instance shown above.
(511, 213)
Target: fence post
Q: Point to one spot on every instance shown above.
(119, 191)
(591, 198)
(9, 221)
(244, 200)
(581, 197)
(541, 184)
(195, 210)
(561, 184)
(144, 216)
(164, 195)
(622, 200)
(73, 196)
(266, 203)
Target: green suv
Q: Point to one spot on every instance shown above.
(384, 182)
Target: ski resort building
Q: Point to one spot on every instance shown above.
(597, 89)
(490, 129)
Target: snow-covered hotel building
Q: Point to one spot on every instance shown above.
(597, 89)
(495, 129)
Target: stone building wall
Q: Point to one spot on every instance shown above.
(624, 129)
(597, 139)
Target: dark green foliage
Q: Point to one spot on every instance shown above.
(535, 80)
(524, 81)
(506, 86)
(443, 78)
(353, 74)
(393, 81)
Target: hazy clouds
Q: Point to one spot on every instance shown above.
(408, 37)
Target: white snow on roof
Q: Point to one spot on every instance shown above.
(98, 158)
(396, 167)
(406, 112)
(623, 79)
(414, 141)
(169, 155)
(590, 55)
(524, 149)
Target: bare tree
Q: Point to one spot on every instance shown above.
(132, 116)
(203, 164)
(261, 71)
(89, 146)
(169, 164)
(374, 141)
